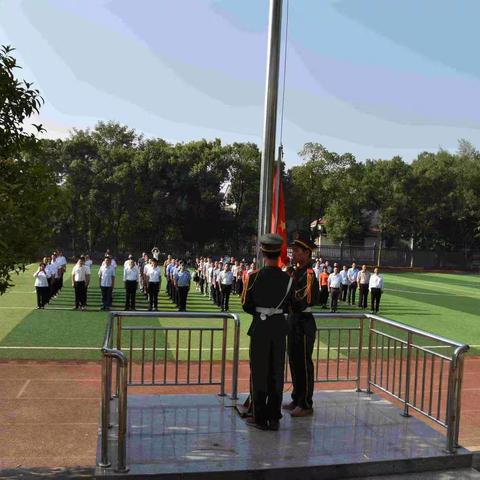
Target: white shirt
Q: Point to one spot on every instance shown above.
(234, 270)
(50, 270)
(89, 263)
(376, 281)
(344, 276)
(130, 273)
(40, 279)
(225, 278)
(106, 274)
(55, 266)
(62, 261)
(209, 274)
(318, 270)
(334, 280)
(79, 273)
(154, 274)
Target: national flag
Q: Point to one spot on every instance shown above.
(281, 224)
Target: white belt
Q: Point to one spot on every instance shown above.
(307, 310)
(267, 312)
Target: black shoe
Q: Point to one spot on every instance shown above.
(252, 423)
(273, 425)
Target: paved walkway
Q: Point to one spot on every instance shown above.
(49, 411)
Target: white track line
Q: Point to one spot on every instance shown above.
(427, 293)
(22, 390)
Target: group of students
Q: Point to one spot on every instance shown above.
(343, 284)
(220, 279)
(49, 277)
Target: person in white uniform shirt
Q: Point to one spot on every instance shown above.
(153, 276)
(375, 286)
(80, 280)
(334, 285)
(41, 286)
(106, 279)
(62, 263)
(216, 281)
(225, 278)
(88, 262)
(352, 274)
(344, 287)
(131, 275)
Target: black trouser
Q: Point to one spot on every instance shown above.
(54, 286)
(176, 297)
(202, 285)
(50, 283)
(334, 300)
(363, 300)
(207, 290)
(344, 292)
(267, 360)
(323, 295)
(213, 293)
(153, 289)
(352, 289)
(106, 296)
(376, 294)
(80, 294)
(219, 295)
(300, 348)
(234, 285)
(226, 290)
(60, 282)
(43, 295)
(130, 293)
(239, 286)
(182, 298)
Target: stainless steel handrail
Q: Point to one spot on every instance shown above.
(110, 353)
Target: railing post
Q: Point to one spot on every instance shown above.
(371, 325)
(407, 380)
(236, 357)
(224, 357)
(104, 462)
(119, 348)
(122, 416)
(451, 406)
(360, 353)
(458, 395)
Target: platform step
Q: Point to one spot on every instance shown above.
(350, 435)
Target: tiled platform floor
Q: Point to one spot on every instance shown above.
(194, 433)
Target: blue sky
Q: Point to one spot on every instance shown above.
(375, 78)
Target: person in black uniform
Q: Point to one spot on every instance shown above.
(266, 296)
(302, 325)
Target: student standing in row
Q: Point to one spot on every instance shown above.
(80, 281)
(182, 282)
(334, 285)
(41, 286)
(375, 286)
(344, 286)
(352, 275)
(106, 280)
(323, 281)
(363, 282)
(226, 282)
(153, 276)
(131, 275)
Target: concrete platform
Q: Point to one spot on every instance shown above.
(350, 435)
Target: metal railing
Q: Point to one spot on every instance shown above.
(400, 361)
(151, 354)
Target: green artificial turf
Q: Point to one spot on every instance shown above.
(445, 304)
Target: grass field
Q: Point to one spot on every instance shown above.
(445, 304)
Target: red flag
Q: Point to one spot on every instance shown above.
(281, 224)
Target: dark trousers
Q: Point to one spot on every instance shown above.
(334, 300)
(213, 293)
(80, 294)
(43, 295)
(182, 298)
(239, 286)
(323, 295)
(376, 294)
(130, 293)
(106, 296)
(300, 348)
(219, 295)
(153, 289)
(363, 294)
(176, 297)
(234, 285)
(267, 359)
(352, 290)
(344, 293)
(207, 289)
(202, 285)
(54, 286)
(226, 290)
(60, 282)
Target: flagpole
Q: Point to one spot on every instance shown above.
(270, 121)
(277, 186)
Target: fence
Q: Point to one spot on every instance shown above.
(421, 370)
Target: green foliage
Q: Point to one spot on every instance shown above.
(27, 186)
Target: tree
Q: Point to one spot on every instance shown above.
(28, 190)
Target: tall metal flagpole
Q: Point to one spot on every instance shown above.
(270, 120)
